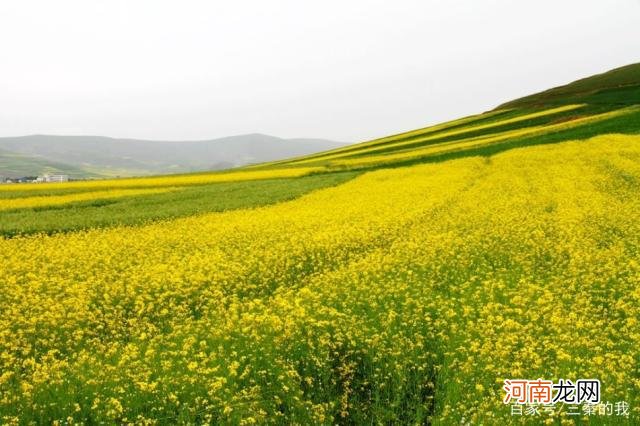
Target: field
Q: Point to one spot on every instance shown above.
(401, 280)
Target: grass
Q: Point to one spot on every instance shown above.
(620, 86)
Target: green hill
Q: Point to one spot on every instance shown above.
(604, 103)
(620, 86)
(15, 165)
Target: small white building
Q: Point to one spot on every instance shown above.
(53, 178)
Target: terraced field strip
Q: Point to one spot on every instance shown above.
(459, 131)
(463, 144)
(488, 116)
(56, 200)
(168, 180)
(147, 207)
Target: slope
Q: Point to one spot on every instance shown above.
(600, 104)
(620, 86)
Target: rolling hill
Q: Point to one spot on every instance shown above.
(91, 156)
(15, 165)
(403, 280)
(604, 103)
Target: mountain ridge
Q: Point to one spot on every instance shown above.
(90, 155)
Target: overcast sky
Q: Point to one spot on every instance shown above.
(342, 70)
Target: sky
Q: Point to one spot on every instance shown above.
(341, 70)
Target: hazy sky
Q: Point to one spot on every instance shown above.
(343, 70)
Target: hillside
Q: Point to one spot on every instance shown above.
(620, 86)
(600, 104)
(86, 156)
(402, 280)
(15, 165)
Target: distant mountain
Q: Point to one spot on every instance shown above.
(13, 165)
(86, 156)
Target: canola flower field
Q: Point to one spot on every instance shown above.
(398, 281)
(52, 200)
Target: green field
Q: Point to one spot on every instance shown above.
(136, 210)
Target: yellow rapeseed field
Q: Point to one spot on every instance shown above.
(406, 295)
(54, 200)
(387, 139)
(387, 143)
(167, 180)
(478, 141)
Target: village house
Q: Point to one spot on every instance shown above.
(53, 178)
